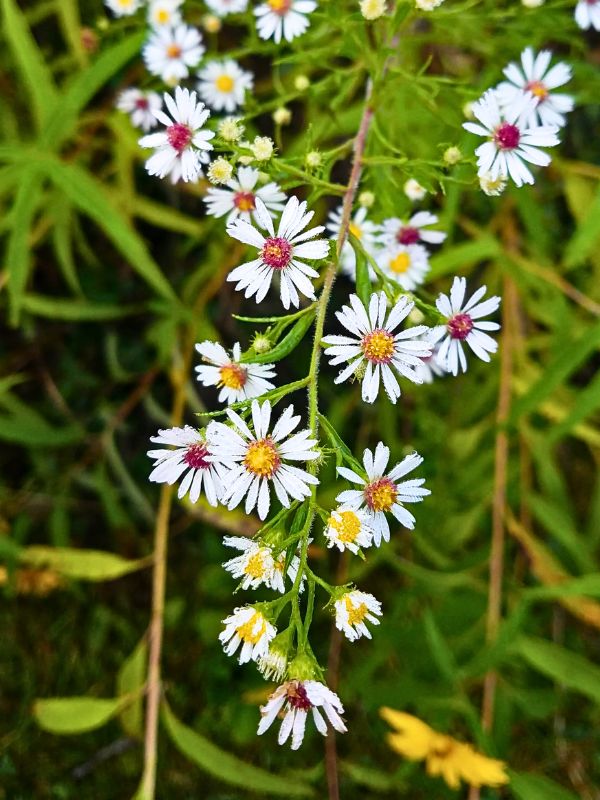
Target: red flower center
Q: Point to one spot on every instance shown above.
(179, 136)
(141, 103)
(244, 201)
(460, 326)
(297, 696)
(507, 136)
(277, 252)
(407, 235)
(196, 456)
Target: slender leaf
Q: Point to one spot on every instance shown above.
(89, 565)
(75, 310)
(586, 236)
(526, 786)
(72, 715)
(563, 666)
(130, 679)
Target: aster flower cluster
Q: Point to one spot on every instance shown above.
(519, 118)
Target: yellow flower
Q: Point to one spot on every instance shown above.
(444, 756)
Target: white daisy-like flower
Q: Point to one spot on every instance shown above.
(408, 265)
(273, 665)
(493, 187)
(587, 14)
(257, 564)
(287, 18)
(140, 106)
(295, 699)
(414, 191)
(258, 459)
(184, 145)
(352, 610)
(511, 140)
(123, 8)
(415, 231)
(239, 200)
(164, 12)
(237, 381)
(224, 7)
(377, 346)
(360, 227)
(171, 52)
(381, 493)
(348, 529)
(279, 253)
(223, 84)
(428, 5)
(248, 627)
(193, 455)
(464, 324)
(534, 76)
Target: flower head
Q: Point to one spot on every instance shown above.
(193, 456)
(140, 106)
(372, 9)
(262, 148)
(230, 129)
(360, 227)
(224, 7)
(381, 493)
(257, 460)
(220, 171)
(171, 51)
(123, 8)
(283, 18)
(408, 265)
(428, 5)
(587, 14)
(273, 665)
(295, 699)
(182, 147)
(223, 84)
(511, 140)
(377, 346)
(248, 627)
(493, 187)
(282, 116)
(348, 529)
(414, 231)
(444, 756)
(534, 76)
(414, 191)
(258, 564)
(164, 12)
(463, 323)
(239, 199)
(352, 609)
(236, 381)
(279, 253)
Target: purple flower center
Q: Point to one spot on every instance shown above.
(407, 235)
(277, 252)
(507, 136)
(297, 697)
(196, 456)
(179, 136)
(460, 326)
(141, 103)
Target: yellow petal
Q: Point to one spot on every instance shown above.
(479, 770)
(413, 737)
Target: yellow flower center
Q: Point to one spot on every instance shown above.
(347, 526)
(355, 230)
(378, 346)
(224, 83)
(356, 614)
(253, 630)
(400, 263)
(125, 3)
(262, 458)
(173, 51)
(381, 494)
(280, 6)
(162, 16)
(233, 376)
(537, 89)
(255, 566)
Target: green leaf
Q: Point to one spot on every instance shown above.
(458, 257)
(84, 86)
(563, 666)
(226, 767)
(88, 565)
(130, 679)
(75, 310)
(289, 342)
(69, 715)
(586, 236)
(29, 61)
(23, 425)
(526, 786)
(90, 196)
(587, 401)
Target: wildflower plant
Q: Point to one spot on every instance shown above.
(324, 239)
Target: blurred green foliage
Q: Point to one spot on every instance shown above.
(107, 275)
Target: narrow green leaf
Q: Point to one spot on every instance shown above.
(90, 196)
(130, 679)
(587, 402)
(441, 652)
(18, 257)
(71, 715)
(226, 767)
(526, 786)
(283, 348)
(89, 565)
(586, 236)
(30, 62)
(563, 666)
(25, 427)
(458, 257)
(75, 310)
